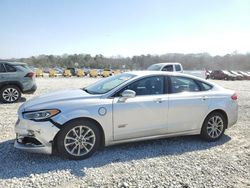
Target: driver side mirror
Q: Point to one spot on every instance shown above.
(127, 94)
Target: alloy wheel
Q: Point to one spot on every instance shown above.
(79, 140)
(215, 126)
(10, 94)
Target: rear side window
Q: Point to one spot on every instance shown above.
(177, 68)
(10, 68)
(168, 68)
(24, 66)
(205, 86)
(182, 84)
(2, 69)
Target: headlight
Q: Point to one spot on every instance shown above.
(41, 114)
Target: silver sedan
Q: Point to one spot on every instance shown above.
(127, 107)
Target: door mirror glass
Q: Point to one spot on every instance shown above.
(128, 93)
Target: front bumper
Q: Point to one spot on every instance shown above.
(36, 137)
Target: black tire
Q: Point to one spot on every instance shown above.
(15, 91)
(207, 129)
(67, 130)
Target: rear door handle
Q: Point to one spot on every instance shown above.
(159, 100)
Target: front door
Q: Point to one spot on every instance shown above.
(145, 114)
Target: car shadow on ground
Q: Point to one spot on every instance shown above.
(15, 163)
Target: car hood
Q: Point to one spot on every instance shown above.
(56, 97)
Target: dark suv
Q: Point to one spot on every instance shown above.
(15, 78)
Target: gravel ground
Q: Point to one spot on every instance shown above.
(172, 162)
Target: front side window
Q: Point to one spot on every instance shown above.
(147, 86)
(108, 84)
(2, 69)
(182, 84)
(10, 68)
(168, 68)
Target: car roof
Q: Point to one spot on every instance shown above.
(166, 73)
(167, 63)
(13, 63)
(149, 72)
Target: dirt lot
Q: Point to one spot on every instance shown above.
(172, 162)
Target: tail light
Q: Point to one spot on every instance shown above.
(234, 97)
(30, 75)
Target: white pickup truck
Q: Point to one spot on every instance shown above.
(170, 66)
(175, 67)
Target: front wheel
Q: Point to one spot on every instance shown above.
(79, 139)
(213, 127)
(10, 94)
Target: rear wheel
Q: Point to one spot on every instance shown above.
(213, 127)
(79, 139)
(10, 94)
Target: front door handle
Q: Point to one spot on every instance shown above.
(204, 98)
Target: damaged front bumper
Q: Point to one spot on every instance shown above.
(36, 137)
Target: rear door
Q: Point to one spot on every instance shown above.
(188, 104)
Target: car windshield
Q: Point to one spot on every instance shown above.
(108, 84)
(154, 67)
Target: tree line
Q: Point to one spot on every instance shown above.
(199, 61)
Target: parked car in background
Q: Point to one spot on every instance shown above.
(238, 76)
(39, 73)
(86, 71)
(93, 73)
(80, 73)
(67, 73)
(15, 78)
(107, 73)
(222, 75)
(52, 73)
(245, 75)
(170, 67)
(72, 70)
(127, 107)
(59, 70)
(46, 70)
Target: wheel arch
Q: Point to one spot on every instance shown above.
(221, 112)
(11, 83)
(102, 144)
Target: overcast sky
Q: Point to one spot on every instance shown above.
(127, 28)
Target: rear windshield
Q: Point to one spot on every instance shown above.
(154, 67)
